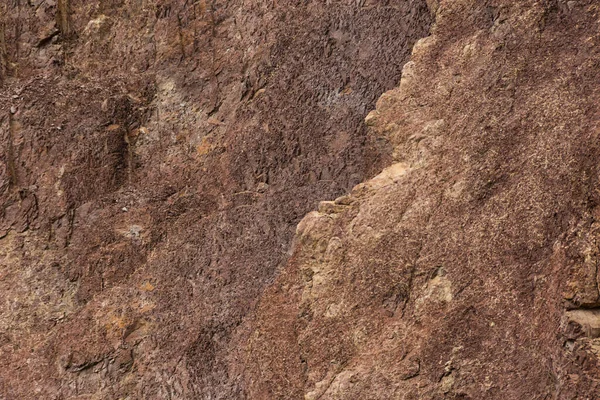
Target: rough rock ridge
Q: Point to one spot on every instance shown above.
(468, 268)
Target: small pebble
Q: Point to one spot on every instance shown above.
(124, 209)
(13, 110)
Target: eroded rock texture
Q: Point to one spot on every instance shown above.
(468, 268)
(156, 158)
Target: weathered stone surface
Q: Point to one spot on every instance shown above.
(160, 161)
(468, 268)
(155, 159)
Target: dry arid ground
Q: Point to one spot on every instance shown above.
(299, 199)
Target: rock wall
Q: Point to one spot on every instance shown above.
(161, 160)
(467, 269)
(156, 156)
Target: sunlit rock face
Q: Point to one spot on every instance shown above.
(299, 200)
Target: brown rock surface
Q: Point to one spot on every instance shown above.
(156, 158)
(468, 268)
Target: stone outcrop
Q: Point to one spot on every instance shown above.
(201, 199)
(468, 268)
(156, 159)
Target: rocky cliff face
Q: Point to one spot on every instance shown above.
(158, 155)
(156, 159)
(467, 269)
